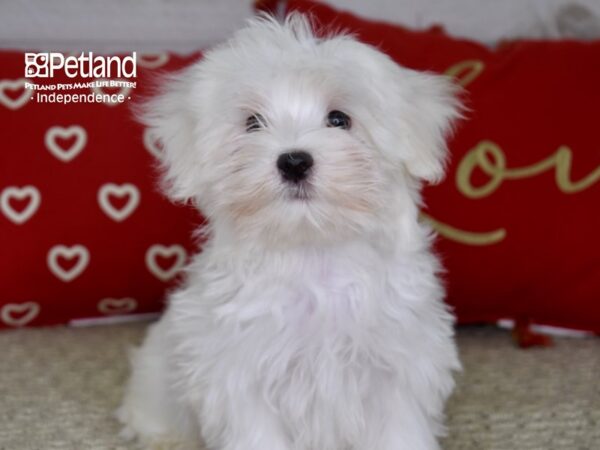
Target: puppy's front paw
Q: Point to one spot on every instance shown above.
(151, 441)
(167, 443)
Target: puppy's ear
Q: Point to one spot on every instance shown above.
(432, 108)
(172, 125)
(419, 109)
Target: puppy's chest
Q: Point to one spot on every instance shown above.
(291, 310)
(316, 294)
(296, 325)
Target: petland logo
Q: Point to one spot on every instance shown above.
(90, 79)
(45, 65)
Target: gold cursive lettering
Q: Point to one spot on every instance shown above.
(465, 237)
(490, 158)
(465, 72)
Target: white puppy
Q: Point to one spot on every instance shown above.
(313, 319)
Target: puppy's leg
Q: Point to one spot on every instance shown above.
(251, 425)
(149, 411)
(403, 432)
(398, 423)
(402, 436)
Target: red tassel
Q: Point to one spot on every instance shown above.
(524, 337)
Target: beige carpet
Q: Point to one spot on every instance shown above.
(59, 386)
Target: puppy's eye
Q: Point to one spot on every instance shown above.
(338, 119)
(254, 122)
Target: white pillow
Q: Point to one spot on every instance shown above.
(119, 25)
(487, 21)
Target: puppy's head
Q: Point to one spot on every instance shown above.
(280, 135)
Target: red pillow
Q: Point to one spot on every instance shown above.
(519, 212)
(523, 248)
(83, 230)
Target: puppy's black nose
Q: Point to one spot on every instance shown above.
(294, 166)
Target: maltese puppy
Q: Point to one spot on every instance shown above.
(313, 318)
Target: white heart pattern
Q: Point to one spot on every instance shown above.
(61, 251)
(152, 144)
(65, 154)
(14, 85)
(152, 60)
(158, 250)
(117, 305)
(13, 192)
(123, 90)
(118, 214)
(19, 314)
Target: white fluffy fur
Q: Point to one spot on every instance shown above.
(314, 324)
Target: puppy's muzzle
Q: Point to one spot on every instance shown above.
(295, 166)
